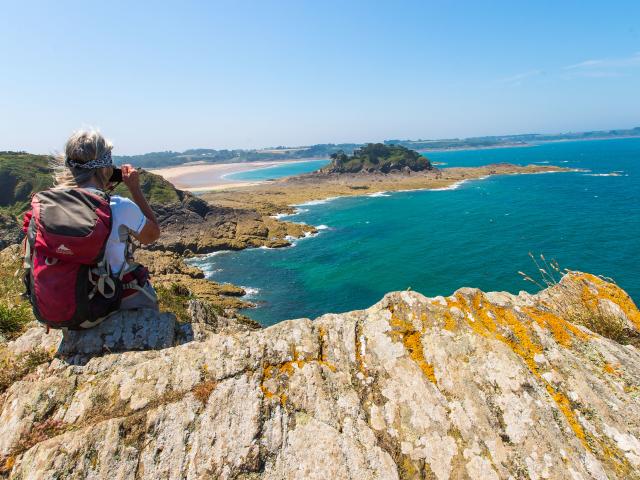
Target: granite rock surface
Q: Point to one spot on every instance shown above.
(476, 385)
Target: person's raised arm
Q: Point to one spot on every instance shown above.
(151, 230)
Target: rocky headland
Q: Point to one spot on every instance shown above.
(472, 386)
(281, 195)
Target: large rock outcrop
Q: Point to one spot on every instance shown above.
(476, 385)
(193, 225)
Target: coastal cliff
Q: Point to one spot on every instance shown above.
(475, 385)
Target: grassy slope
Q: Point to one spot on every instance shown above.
(22, 174)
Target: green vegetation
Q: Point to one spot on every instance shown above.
(21, 174)
(377, 157)
(157, 190)
(207, 155)
(175, 299)
(15, 312)
(324, 150)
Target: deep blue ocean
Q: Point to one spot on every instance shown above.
(435, 242)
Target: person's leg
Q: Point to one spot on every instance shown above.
(146, 299)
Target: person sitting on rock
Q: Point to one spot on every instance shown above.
(87, 165)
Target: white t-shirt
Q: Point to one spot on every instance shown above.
(126, 216)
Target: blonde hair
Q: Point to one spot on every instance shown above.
(81, 147)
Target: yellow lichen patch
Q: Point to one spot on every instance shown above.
(502, 324)
(449, 322)
(607, 291)
(358, 349)
(281, 373)
(617, 459)
(611, 369)
(497, 322)
(413, 344)
(560, 328)
(565, 407)
(405, 332)
(8, 464)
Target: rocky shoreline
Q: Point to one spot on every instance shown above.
(246, 217)
(280, 196)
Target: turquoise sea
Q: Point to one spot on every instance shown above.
(284, 170)
(435, 242)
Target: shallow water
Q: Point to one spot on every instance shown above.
(435, 242)
(279, 171)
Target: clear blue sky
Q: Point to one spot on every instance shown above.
(176, 75)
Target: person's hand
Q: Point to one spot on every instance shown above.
(130, 177)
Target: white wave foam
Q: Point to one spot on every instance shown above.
(315, 202)
(612, 174)
(212, 254)
(322, 227)
(544, 161)
(379, 194)
(297, 211)
(453, 186)
(250, 291)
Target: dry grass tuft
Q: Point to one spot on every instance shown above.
(40, 432)
(13, 369)
(202, 391)
(569, 302)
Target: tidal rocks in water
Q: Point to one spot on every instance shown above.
(475, 385)
(169, 270)
(194, 225)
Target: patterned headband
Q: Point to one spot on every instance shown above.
(101, 162)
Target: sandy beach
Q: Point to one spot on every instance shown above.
(207, 177)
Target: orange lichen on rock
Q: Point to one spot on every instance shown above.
(404, 331)
(611, 369)
(493, 321)
(565, 407)
(561, 330)
(606, 291)
(497, 322)
(281, 373)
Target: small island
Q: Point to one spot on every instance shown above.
(378, 157)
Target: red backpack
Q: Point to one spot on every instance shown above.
(67, 278)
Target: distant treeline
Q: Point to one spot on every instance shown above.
(325, 150)
(505, 140)
(166, 159)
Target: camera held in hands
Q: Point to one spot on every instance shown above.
(116, 176)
